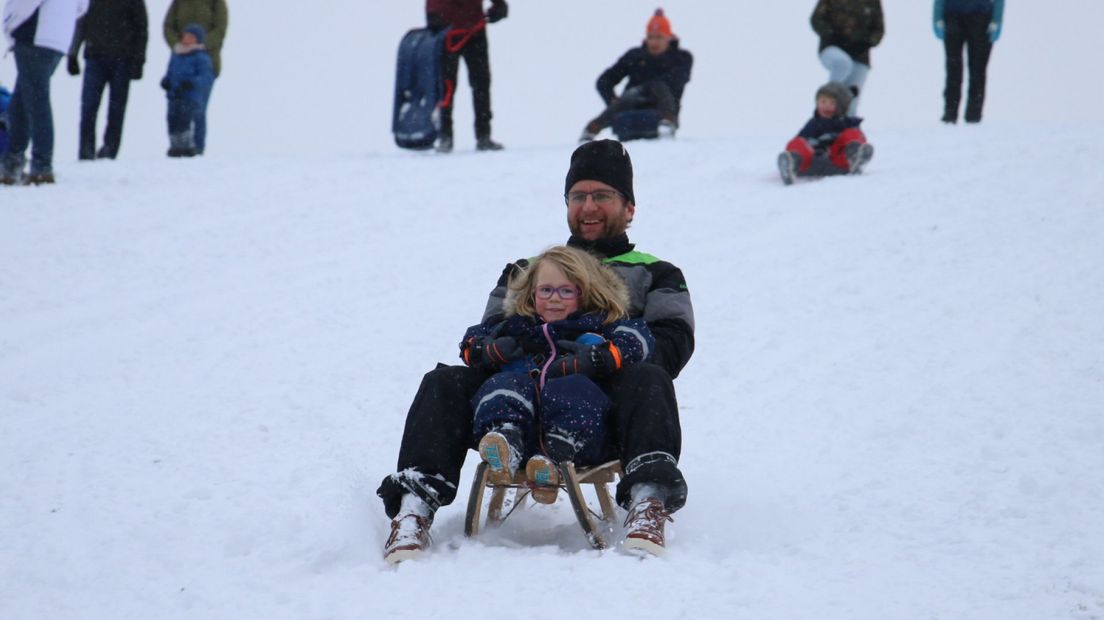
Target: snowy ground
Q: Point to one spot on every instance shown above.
(894, 409)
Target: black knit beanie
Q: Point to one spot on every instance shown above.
(606, 161)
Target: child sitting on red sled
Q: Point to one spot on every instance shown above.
(830, 143)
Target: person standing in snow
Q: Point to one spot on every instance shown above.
(830, 143)
(187, 85)
(114, 34)
(41, 32)
(847, 30)
(643, 418)
(975, 25)
(467, 39)
(214, 17)
(657, 71)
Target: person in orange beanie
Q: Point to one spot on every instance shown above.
(657, 71)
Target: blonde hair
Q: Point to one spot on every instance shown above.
(600, 289)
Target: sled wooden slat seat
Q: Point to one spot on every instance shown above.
(571, 481)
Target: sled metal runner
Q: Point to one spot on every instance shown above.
(571, 481)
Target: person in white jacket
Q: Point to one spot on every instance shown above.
(40, 32)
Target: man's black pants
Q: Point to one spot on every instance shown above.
(478, 64)
(643, 424)
(971, 32)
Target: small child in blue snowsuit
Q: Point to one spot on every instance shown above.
(566, 329)
(188, 85)
(5, 99)
(830, 143)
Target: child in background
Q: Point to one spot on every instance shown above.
(830, 143)
(566, 329)
(5, 99)
(187, 84)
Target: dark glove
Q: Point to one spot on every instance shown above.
(497, 11)
(596, 361)
(186, 86)
(435, 21)
(165, 83)
(74, 66)
(490, 352)
(135, 70)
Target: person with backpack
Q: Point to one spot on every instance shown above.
(848, 29)
(467, 39)
(114, 34)
(41, 32)
(657, 73)
(214, 17)
(975, 25)
(643, 418)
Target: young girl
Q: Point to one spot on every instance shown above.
(566, 329)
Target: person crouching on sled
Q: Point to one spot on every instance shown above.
(830, 143)
(566, 331)
(187, 84)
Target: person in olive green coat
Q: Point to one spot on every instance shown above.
(847, 30)
(213, 16)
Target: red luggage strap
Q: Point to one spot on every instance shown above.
(455, 41)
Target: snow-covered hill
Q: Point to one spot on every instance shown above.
(893, 409)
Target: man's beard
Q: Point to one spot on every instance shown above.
(612, 228)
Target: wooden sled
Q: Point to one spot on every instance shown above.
(571, 481)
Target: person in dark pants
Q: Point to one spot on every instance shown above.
(643, 420)
(214, 17)
(848, 30)
(467, 39)
(41, 31)
(114, 34)
(657, 73)
(975, 25)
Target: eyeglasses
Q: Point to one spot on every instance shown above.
(565, 292)
(601, 197)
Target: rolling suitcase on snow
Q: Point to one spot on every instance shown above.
(419, 88)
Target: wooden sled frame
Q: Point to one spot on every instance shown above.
(571, 481)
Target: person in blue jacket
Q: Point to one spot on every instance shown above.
(975, 25)
(187, 85)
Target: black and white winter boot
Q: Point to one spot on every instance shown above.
(858, 155)
(501, 450)
(787, 167)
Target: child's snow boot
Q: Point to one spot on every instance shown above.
(544, 479)
(501, 450)
(11, 169)
(787, 167)
(181, 144)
